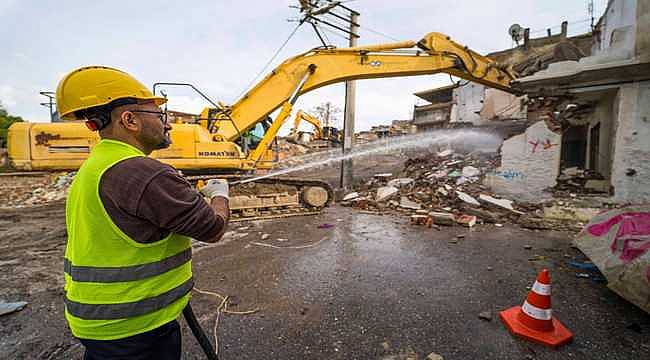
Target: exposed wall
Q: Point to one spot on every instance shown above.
(617, 28)
(469, 102)
(643, 30)
(631, 165)
(530, 162)
(500, 105)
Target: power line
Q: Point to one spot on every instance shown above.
(277, 52)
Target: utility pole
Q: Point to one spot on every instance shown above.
(50, 104)
(331, 13)
(347, 166)
(590, 11)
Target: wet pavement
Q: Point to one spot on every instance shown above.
(375, 287)
(363, 287)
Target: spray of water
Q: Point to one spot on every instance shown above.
(467, 138)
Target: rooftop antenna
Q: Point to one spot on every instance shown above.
(516, 33)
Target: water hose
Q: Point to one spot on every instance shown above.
(199, 334)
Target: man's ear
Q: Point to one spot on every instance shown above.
(128, 120)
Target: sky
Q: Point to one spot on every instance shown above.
(220, 46)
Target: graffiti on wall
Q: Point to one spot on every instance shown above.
(541, 145)
(511, 175)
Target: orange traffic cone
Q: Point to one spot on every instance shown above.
(533, 321)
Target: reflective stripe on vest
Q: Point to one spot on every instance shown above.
(130, 309)
(126, 273)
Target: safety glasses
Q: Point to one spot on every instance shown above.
(162, 115)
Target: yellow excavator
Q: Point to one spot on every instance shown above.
(236, 140)
(325, 134)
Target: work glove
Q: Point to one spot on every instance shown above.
(215, 187)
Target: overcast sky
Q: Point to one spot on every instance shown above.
(221, 45)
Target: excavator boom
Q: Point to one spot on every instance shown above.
(435, 53)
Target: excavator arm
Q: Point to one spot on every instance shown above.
(301, 115)
(435, 53)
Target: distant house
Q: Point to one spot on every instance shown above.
(436, 112)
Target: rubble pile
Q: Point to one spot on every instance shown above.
(287, 150)
(443, 189)
(573, 181)
(20, 191)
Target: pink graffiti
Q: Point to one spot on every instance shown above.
(633, 236)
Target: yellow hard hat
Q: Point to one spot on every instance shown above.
(92, 86)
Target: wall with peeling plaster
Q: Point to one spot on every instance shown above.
(530, 163)
(618, 28)
(631, 165)
(468, 102)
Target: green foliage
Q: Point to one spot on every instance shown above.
(5, 121)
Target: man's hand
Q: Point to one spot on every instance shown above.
(216, 187)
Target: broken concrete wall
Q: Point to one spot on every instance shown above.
(468, 102)
(631, 165)
(618, 30)
(530, 162)
(500, 105)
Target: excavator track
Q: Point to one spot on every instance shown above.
(273, 198)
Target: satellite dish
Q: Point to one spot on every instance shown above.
(516, 32)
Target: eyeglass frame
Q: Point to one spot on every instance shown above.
(162, 115)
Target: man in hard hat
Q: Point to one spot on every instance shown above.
(128, 270)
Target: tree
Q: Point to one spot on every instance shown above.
(326, 113)
(5, 121)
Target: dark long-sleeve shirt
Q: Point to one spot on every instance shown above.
(148, 200)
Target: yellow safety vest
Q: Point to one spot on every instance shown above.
(117, 287)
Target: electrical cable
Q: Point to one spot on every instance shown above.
(277, 52)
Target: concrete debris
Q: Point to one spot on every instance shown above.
(351, 196)
(442, 218)
(467, 198)
(400, 182)
(470, 171)
(38, 189)
(504, 203)
(385, 192)
(405, 203)
(265, 236)
(559, 212)
(597, 185)
(578, 181)
(10, 307)
(441, 190)
(434, 356)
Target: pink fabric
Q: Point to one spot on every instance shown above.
(633, 231)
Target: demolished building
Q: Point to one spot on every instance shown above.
(599, 104)
(585, 113)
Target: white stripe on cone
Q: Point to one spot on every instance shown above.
(542, 289)
(535, 312)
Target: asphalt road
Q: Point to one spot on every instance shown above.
(376, 287)
(369, 287)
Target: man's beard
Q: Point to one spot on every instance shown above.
(149, 137)
(165, 143)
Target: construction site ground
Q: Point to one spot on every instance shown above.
(345, 284)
